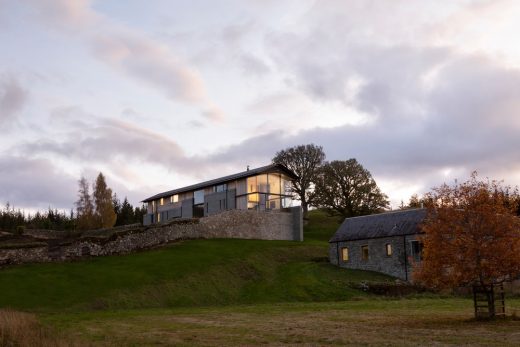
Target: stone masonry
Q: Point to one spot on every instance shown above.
(273, 225)
(396, 265)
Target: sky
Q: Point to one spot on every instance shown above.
(160, 94)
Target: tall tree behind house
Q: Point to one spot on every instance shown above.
(304, 161)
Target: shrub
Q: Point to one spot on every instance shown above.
(23, 329)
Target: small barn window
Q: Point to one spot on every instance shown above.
(364, 252)
(388, 249)
(416, 250)
(344, 254)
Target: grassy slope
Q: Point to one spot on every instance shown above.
(191, 273)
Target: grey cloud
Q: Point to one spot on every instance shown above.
(464, 118)
(254, 65)
(35, 183)
(151, 63)
(104, 141)
(12, 98)
(138, 56)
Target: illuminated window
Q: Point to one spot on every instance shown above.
(159, 217)
(162, 201)
(262, 184)
(364, 253)
(388, 250)
(274, 183)
(251, 185)
(344, 254)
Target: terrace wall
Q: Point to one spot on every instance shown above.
(273, 225)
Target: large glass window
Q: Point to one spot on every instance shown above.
(262, 184)
(198, 197)
(274, 202)
(274, 183)
(252, 184)
(286, 185)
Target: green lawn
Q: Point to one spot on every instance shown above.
(233, 292)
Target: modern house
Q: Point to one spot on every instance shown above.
(263, 189)
(386, 242)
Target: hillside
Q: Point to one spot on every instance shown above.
(229, 293)
(189, 273)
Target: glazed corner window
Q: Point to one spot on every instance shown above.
(344, 254)
(174, 198)
(388, 249)
(364, 253)
(198, 197)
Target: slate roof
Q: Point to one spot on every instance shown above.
(395, 223)
(243, 174)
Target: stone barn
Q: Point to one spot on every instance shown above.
(386, 242)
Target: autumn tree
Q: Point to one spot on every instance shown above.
(304, 161)
(84, 206)
(105, 216)
(471, 236)
(348, 189)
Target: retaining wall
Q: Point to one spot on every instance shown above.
(273, 225)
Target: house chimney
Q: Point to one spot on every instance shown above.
(248, 168)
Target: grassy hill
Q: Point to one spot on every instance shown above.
(230, 293)
(189, 273)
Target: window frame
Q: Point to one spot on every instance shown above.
(363, 248)
(389, 249)
(343, 258)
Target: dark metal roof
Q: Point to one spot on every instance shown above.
(243, 174)
(405, 222)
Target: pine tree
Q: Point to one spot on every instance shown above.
(105, 216)
(126, 215)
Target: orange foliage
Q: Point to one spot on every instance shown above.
(471, 235)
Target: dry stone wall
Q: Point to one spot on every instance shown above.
(229, 224)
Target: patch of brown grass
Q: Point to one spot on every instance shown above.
(24, 329)
(385, 323)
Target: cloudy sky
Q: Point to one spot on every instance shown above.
(160, 94)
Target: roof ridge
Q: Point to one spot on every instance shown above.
(386, 213)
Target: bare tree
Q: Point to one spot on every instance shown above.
(304, 161)
(348, 189)
(84, 206)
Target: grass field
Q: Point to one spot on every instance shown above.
(405, 322)
(230, 292)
